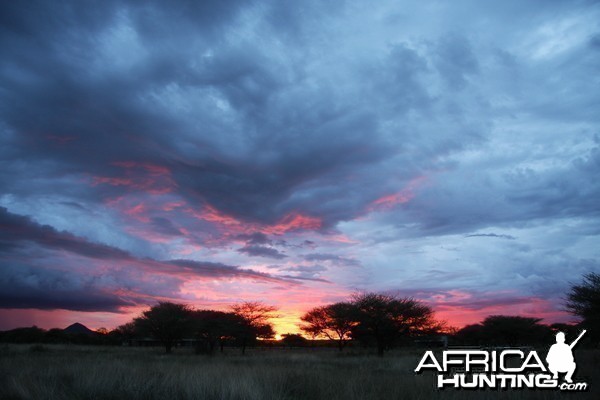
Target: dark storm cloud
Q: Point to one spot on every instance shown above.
(218, 270)
(113, 88)
(16, 229)
(241, 124)
(23, 286)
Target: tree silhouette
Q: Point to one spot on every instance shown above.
(122, 334)
(334, 321)
(473, 334)
(102, 331)
(216, 327)
(126, 332)
(386, 318)
(167, 322)
(515, 330)
(25, 335)
(256, 316)
(293, 340)
(583, 300)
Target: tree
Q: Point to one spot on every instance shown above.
(583, 301)
(216, 327)
(102, 331)
(256, 316)
(386, 318)
(167, 322)
(25, 335)
(293, 340)
(125, 333)
(471, 335)
(509, 330)
(334, 321)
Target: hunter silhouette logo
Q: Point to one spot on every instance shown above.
(505, 368)
(560, 357)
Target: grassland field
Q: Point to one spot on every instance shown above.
(64, 372)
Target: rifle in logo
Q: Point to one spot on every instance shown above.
(560, 357)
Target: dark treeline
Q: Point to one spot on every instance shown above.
(511, 331)
(169, 323)
(371, 320)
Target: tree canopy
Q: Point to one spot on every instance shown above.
(505, 330)
(385, 319)
(371, 318)
(256, 317)
(334, 321)
(214, 328)
(583, 301)
(167, 322)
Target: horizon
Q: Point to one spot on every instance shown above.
(294, 154)
(446, 330)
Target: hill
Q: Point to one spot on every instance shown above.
(78, 328)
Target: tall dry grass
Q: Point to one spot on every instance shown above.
(74, 372)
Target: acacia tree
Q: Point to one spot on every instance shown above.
(125, 333)
(506, 330)
(215, 327)
(256, 317)
(386, 318)
(334, 321)
(167, 322)
(583, 301)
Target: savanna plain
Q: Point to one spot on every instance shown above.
(57, 372)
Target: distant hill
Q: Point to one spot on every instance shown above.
(78, 328)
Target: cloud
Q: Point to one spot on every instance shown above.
(492, 235)
(386, 135)
(255, 238)
(306, 272)
(331, 258)
(262, 251)
(218, 270)
(25, 286)
(16, 229)
(33, 281)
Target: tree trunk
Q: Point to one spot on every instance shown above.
(340, 345)
(380, 349)
(168, 347)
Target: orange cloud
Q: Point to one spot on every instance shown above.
(293, 221)
(390, 201)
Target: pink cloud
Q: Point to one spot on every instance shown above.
(390, 201)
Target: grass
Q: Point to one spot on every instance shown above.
(53, 372)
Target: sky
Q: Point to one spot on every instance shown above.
(295, 153)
